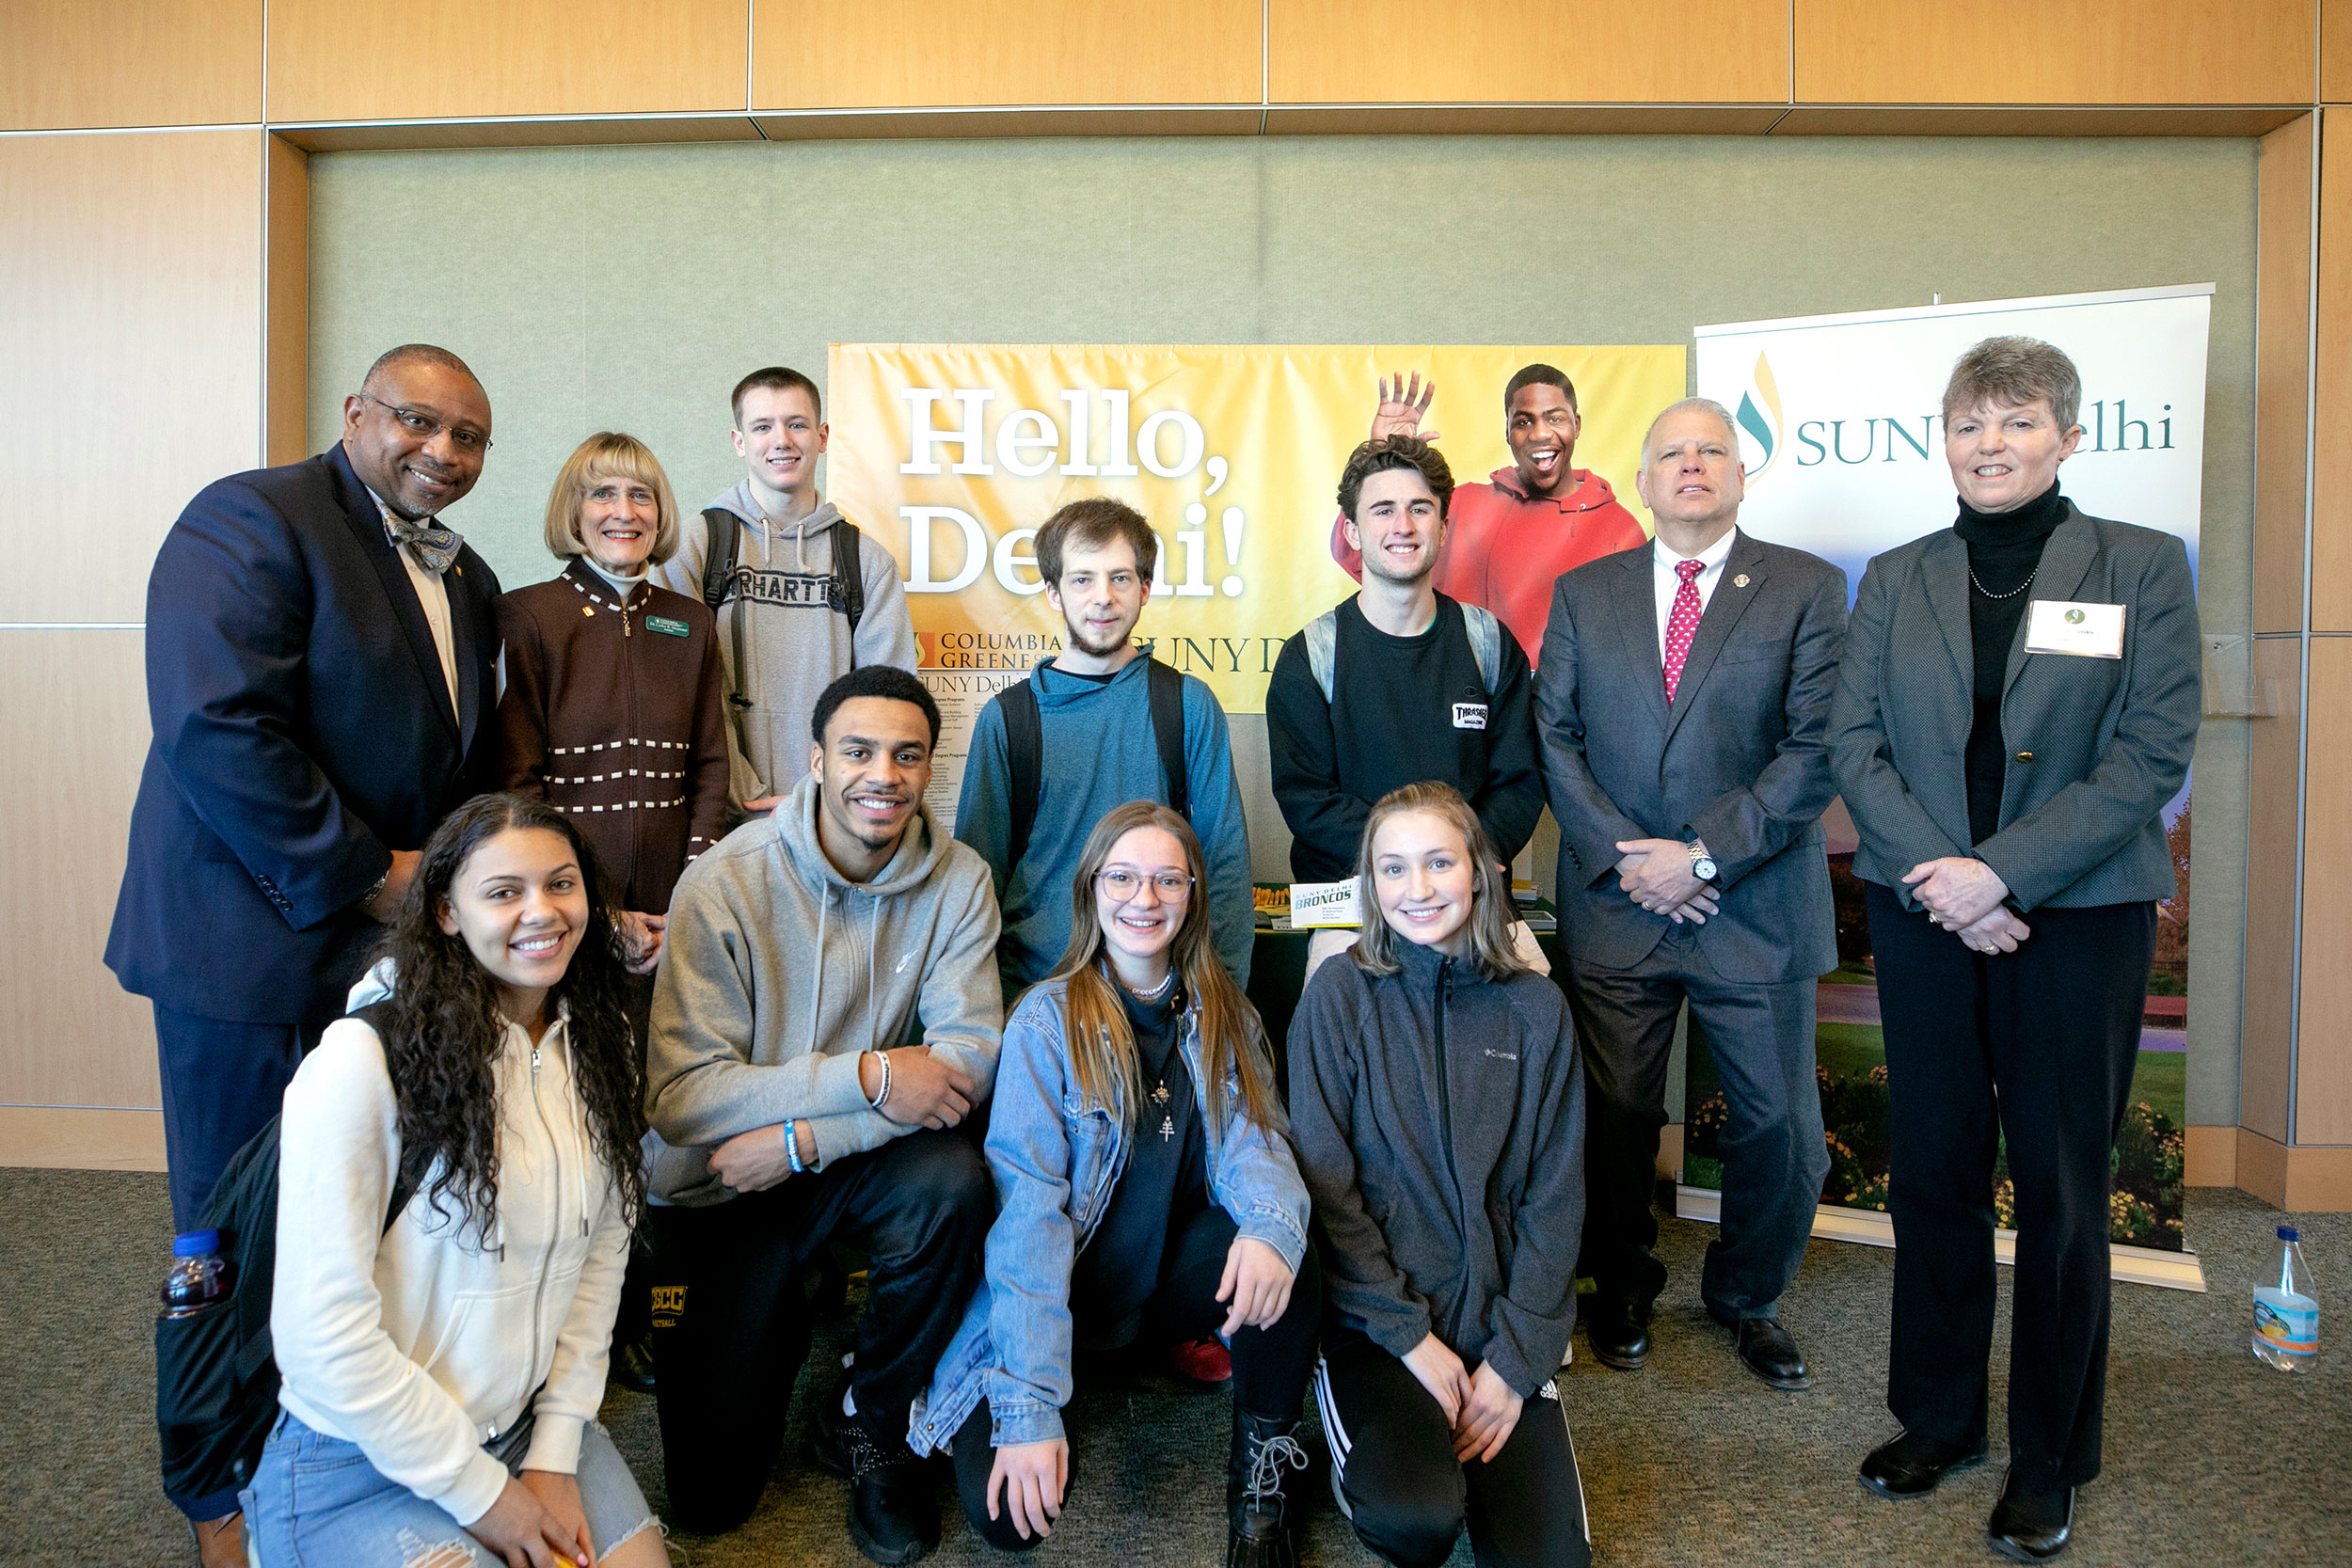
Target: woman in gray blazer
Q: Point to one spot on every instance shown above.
(2017, 702)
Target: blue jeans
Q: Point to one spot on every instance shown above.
(315, 1499)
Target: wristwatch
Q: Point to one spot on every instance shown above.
(1702, 863)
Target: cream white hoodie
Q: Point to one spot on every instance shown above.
(420, 1345)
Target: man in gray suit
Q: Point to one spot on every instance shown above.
(1682, 697)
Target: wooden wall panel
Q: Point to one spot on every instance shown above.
(286, 325)
(2061, 51)
(2335, 51)
(2267, 1041)
(2331, 469)
(1913, 120)
(134, 378)
(2323, 1058)
(2282, 368)
(435, 58)
(1495, 52)
(81, 1139)
(68, 64)
(73, 1037)
(913, 53)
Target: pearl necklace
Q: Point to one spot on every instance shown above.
(1156, 992)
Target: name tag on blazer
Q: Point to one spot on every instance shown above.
(2067, 626)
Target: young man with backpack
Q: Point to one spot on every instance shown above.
(800, 595)
(1398, 685)
(1116, 725)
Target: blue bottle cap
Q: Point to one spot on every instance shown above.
(2287, 1233)
(194, 1244)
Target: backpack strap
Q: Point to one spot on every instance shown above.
(849, 578)
(1486, 640)
(726, 543)
(1323, 647)
(725, 549)
(377, 1015)
(1168, 729)
(1025, 749)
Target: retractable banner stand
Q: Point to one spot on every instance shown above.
(1840, 427)
(951, 455)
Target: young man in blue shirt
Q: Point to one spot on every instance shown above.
(1088, 714)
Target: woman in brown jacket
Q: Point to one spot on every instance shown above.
(612, 709)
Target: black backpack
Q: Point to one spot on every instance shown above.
(1024, 743)
(215, 1375)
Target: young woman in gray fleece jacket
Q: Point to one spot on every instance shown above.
(1438, 1110)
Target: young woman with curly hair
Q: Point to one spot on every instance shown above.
(442, 1369)
(1146, 1196)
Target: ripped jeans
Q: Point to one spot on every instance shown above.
(315, 1500)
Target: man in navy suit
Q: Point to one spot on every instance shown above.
(1682, 699)
(318, 676)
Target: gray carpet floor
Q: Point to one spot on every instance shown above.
(2211, 1457)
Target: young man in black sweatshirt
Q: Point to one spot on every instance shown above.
(1399, 684)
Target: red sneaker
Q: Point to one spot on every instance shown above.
(1204, 1363)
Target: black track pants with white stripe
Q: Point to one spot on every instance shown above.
(1393, 1465)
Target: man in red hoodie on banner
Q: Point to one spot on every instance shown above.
(1511, 538)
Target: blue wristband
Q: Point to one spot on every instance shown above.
(792, 1148)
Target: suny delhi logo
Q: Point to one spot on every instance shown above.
(1765, 434)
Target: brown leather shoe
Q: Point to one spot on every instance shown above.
(219, 1543)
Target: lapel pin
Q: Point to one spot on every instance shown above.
(1739, 582)
(585, 610)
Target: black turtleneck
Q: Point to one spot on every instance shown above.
(2004, 552)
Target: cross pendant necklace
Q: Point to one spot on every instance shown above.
(1159, 1098)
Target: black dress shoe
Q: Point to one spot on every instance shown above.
(2030, 1525)
(632, 1366)
(1911, 1465)
(1766, 1350)
(1618, 1332)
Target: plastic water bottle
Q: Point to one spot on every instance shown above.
(2287, 1310)
(198, 1277)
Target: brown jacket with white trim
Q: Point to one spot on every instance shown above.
(612, 714)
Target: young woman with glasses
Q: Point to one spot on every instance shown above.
(1147, 1195)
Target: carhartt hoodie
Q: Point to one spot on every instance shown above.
(779, 972)
(794, 640)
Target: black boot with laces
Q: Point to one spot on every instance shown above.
(894, 1505)
(1263, 1518)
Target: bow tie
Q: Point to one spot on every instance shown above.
(436, 543)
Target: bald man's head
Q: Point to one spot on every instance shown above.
(417, 429)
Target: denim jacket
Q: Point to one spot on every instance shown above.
(1055, 1158)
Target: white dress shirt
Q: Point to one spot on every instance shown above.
(433, 595)
(1667, 584)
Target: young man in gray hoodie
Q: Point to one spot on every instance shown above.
(789, 1113)
(789, 620)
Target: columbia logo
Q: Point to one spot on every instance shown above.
(1501, 1056)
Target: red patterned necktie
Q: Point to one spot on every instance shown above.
(1683, 624)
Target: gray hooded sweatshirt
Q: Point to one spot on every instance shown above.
(779, 972)
(795, 642)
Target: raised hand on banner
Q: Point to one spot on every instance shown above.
(1402, 407)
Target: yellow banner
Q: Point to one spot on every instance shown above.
(950, 457)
